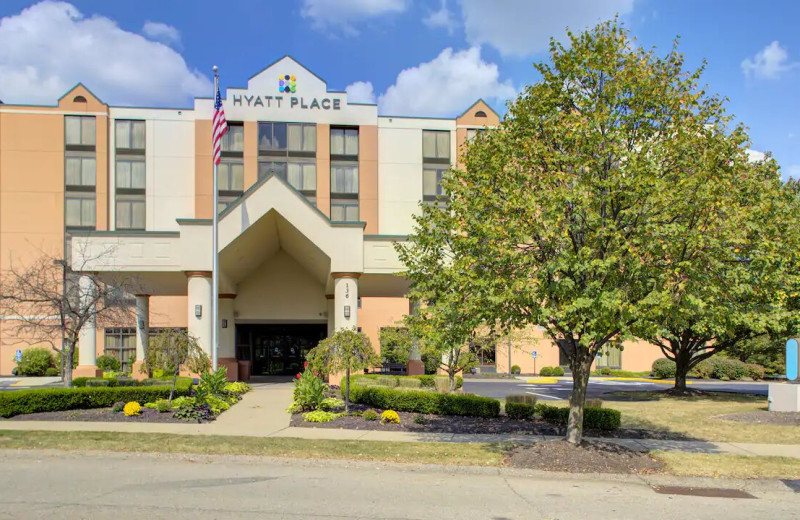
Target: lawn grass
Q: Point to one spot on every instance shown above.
(472, 454)
(695, 417)
(719, 465)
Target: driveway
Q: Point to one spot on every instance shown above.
(557, 389)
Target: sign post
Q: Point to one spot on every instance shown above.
(785, 397)
(533, 355)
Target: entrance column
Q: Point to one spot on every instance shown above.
(199, 308)
(142, 334)
(87, 338)
(227, 337)
(345, 300)
(329, 300)
(415, 365)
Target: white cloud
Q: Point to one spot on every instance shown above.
(442, 18)
(522, 27)
(360, 92)
(768, 63)
(161, 32)
(445, 86)
(341, 15)
(51, 46)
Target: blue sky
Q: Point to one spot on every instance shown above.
(425, 57)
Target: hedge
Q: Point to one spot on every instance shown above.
(426, 381)
(593, 418)
(80, 382)
(59, 399)
(520, 410)
(664, 368)
(425, 402)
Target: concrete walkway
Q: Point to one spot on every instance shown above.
(262, 413)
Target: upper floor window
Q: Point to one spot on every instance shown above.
(80, 210)
(230, 176)
(80, 170)
(472, 133)
(344, 179)
(287, 137)
(436, 145)
(344, 141)
(432, 183)
(233, 139)
(129, 135)
(130, 174)
(79, 130)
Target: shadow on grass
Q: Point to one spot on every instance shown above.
(697, 396)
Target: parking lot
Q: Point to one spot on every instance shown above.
(552, 389)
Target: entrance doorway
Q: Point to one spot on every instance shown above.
(276, 350)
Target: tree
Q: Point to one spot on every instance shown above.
(51, 303)
(395, 344)
(554, 217)
(173, 350)
(345, 351)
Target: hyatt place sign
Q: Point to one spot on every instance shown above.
(301, 103)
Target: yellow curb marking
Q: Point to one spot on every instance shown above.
(19, 383)
(543, 380)
(639, 379)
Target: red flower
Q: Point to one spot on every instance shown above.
(305, 364)
(298, 375)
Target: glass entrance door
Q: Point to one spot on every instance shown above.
(280, 349)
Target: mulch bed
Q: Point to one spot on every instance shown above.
(456, 424)
(764, 417)
(590, 457)
(98, 415)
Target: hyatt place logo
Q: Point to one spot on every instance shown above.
(286, 83)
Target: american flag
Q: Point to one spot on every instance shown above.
(220, 126)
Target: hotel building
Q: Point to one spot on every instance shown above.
(313, 192)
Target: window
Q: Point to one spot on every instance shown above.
(80, 169)
(344, 210)
(79, 130)
(480, 113)
(121, 344)
(436, 145)
(130, 173)
(224, 200)
(432, 183)
(344, 179)
(303, 178)
(300, 138)
(233, 139)
(129, 135)
(230, 176)
(130, 212)
(80, 210)
(266, 168)
(609, 357)
(344, 141)
(472, 133)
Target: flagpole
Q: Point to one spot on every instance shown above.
(214, 263)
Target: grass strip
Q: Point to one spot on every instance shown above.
(723, 465)
(463, 454)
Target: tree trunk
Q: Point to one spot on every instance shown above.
(452, 384)
(347, 391)
(682, 359)
(67, 361)
(581, 369)
(174, 380)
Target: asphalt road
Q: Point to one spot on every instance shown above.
(47, 485)
(597, 387)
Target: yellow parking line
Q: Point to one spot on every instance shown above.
(640, 379)
(543, 380)
(21, 382)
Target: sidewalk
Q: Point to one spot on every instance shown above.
(262, 413)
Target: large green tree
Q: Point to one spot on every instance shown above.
(558, 218)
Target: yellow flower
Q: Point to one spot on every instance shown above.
(132, 408)
(390, 416)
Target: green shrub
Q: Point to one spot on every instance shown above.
(52, 372)
(99, 382)
(59, 399)
(442, 385)
(109, 363)
(546, 371)
(152, 406)
(238, 387)
(418, 419)
(605, 371)
(370, 415)
(515, 369)
(409, 382)
(754, 371)
(520, 410)
(183, 401)
(309, 391)
(331, 403)
(390, 381)
(163, 406)
(703, 369)
(615, 372)
(663, 368)
(118, 406)
(425, 402)
(731, 369)
(320, 416)
(593, 418)
(593, 403)
(426, 381)
(557, 371)
(35, 362)
(524, 398)
(80, 382)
